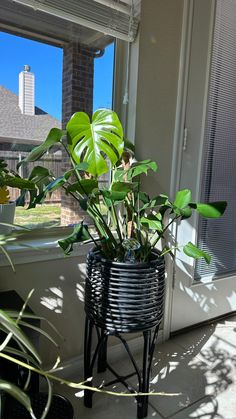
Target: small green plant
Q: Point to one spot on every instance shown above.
(125, 218)
(22, 350)
(9, 178)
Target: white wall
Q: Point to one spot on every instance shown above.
(158, 66)
(58, 296)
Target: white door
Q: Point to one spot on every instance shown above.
(208, 165)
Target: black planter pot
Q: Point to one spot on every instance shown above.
(124, 297)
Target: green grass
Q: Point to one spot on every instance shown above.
(41, 216)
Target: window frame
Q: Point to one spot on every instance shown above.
(40, 244)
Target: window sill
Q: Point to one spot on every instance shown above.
(41, 245)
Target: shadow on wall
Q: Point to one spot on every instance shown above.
(58, 296)
(63, 297)
(54, 296)
(202, 301)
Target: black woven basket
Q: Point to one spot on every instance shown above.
(124, 297)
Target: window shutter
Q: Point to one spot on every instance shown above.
(218, 237)
(111, 17)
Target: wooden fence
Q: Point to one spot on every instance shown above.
(50, 161)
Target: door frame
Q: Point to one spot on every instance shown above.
(181, 137)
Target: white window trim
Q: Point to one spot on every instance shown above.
(42, 245)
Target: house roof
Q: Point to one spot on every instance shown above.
(16, 127)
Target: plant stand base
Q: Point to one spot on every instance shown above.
(100, 356)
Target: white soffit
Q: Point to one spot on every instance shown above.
(111, 17)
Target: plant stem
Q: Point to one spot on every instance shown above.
(117, 223)
(104, 224)
(170, 250)
(91, 237)
(160, 235)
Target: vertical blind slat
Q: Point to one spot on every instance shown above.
(218, 237)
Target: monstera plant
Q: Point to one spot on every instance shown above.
(122, 211)
(9, 178)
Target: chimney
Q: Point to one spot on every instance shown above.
(26, 91)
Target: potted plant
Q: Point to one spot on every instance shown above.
(9, 178)
(20, 361)
(125, 271)
(121, 211)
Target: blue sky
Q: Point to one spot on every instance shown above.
(46, 63)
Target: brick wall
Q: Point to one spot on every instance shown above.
(77, 95)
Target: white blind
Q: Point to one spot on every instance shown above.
(112, 17)
(218, 237)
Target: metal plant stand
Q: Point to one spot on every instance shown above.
(122, 298)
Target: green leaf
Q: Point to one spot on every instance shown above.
(39, 330)
(128, 146)
(136, 169)
(18, 182)
(26, 315)
(39, 173)
(41, 177)
(18, 394)
(84, 186)
(144, 197)
(79, 167)
(113, 195)
(19, 353)
(193, 251)
(55, 184)
(80, 234)
(156, 202)
(140, 167)
(182, 198)
(210, 210)
(38, 199)
(94, 142)
(3, 166)
(185, 213)
(118, 174)
(84, 203)
(13, 328)
(152, 222)
(55, 135)
(124, 186)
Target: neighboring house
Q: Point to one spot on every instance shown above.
(21, 122)
(23, 125)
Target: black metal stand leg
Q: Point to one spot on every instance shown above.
(87, 360)
(142, 409)
(102, 354)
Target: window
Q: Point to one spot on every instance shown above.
(36, 79)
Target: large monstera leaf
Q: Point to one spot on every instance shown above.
(94, 142)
